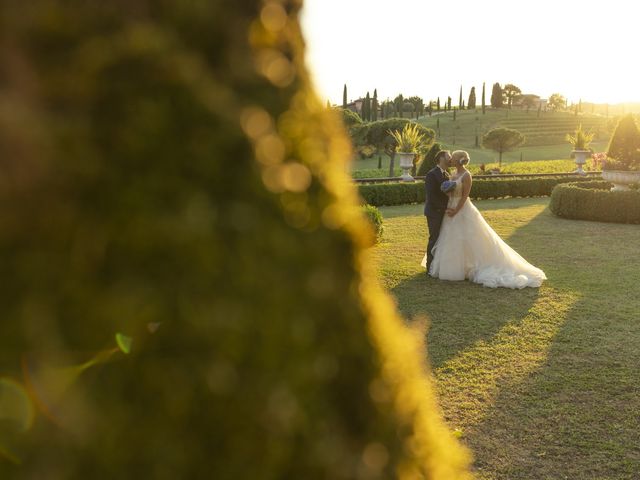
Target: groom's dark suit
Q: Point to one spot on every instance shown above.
(434, 206)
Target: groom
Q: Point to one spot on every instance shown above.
(436, 202)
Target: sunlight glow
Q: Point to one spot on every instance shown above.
(581, 49)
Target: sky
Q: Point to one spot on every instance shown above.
(581, 49)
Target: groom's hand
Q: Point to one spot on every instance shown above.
(450, 211)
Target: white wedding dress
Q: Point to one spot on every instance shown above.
(468, 248)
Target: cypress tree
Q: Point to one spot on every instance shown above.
(460, 99)
(448, 104)
(344, 96)
(496, 96)
(367, 108)
(484, 105)
(374, 105)
(438, 104)
(471, 105)
(398, 102)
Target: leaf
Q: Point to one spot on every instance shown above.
(124, 343)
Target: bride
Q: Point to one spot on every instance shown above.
(468, 248)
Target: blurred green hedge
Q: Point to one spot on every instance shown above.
(374, 217)
(166, 173)
(595, 201)
(379, 194)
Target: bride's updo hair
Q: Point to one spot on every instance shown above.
(460, 157)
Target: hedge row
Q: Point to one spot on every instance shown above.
(402, 193)
(594, 201)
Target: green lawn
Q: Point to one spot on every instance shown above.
(547, 129)
(542, 383)
(545, 134)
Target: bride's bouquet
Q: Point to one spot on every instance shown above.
(447, 186)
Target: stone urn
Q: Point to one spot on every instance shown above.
(620, 179)
(581, 158)
(406, 163)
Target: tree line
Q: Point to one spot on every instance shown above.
(371, 109)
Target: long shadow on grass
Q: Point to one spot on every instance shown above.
(556, 395)
(579, 403)
(462, 314)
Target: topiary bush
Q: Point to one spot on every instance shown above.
(624, 148)
(366, 151)
(379, 194)
(262, 346)
(595, 201)
(378, 133)
(349, 117)
(429, 158)
(375, 219)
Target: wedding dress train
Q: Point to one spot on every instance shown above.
(468, 248)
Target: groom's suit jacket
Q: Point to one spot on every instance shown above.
(436, 201)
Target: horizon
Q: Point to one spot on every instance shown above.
(385, 49)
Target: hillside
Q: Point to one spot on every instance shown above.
(550, 128)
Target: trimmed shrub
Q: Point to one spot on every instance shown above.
(375, 219)
(595, 201)
(403, 193)
(374, 173)
(624, 148)
(366, 151)
(349, 117)
(429, 159)
(263, 345)
(377, 133)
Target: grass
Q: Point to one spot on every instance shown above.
(542, 383)
(545, 134)
(548, 129)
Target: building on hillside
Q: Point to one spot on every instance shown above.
(356, 106)
(529, 101)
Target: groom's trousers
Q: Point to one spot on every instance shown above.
(434, 222)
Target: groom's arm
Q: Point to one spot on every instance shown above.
(431, 184)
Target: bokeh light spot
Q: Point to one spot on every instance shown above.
(270, 149)
(275, 67)
(273, 17)
(255, 122)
